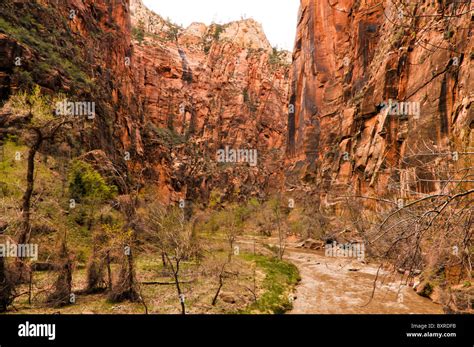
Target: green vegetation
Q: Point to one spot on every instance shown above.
(25, 80)
(218, 30)
(245, 93)
(165, 136)
(249, 102)
(277, 58)
(138, 34)
(448, 34)
(87, 184)
(10, 167)
(40, 106)
(93, 229)
(54, 55)
(172, 33)
(427, 290)
(398, 37)
(213, 35)
(280, 279)
(215, 200)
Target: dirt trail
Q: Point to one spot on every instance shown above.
(344, 286)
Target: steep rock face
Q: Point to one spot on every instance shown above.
(212, 87)
(82, 49)
(147, 21)
(350, 58)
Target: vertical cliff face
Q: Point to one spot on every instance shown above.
(228, 93)
(82, 49)
(381, 97)
(210, 87)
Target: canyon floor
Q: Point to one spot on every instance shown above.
(331, 285)
(327, 285)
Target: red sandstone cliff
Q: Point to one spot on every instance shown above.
(352, 56)
(82, 49)
(167, 100)
(213, 86)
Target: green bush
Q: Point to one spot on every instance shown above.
(53, 55)
(219, 29)
(87, 184)
(276, 59)
(138, 34)
(215, 200)
(25, 80)
(166, 136)
(172, 33)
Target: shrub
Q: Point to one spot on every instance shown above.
(172, 33)
(165, 136)
(276, 58)
(219, 29)
(138, 34)
(87, 184)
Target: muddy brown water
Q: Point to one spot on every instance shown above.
(345, 286)
(332, 285)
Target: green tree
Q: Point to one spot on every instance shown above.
(87, 185)
(138, 32)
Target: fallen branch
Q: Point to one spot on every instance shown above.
(157, 283)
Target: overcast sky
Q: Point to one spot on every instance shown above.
(278, 17)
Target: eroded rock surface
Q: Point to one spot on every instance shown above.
(213, 87)
(350, 58)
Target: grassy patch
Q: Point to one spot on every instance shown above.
(280, 279)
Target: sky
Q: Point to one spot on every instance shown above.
(278, 17)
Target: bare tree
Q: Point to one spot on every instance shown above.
(177, 240)
(429, 225)
(40, 124)
(61, 294)
(126, 287)
(98, 263)
(231, 232)
(277, 210)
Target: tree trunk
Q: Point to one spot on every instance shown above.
(6, 287)
(178, 287)
(181, 299)
(131, 273)
(163, 259)
(109, 271)
(221, 284)
(26, 201)
(25, 228)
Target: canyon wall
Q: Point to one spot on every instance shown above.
(210, 87)
(167, 98)
(351, 59)
(81, 49)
